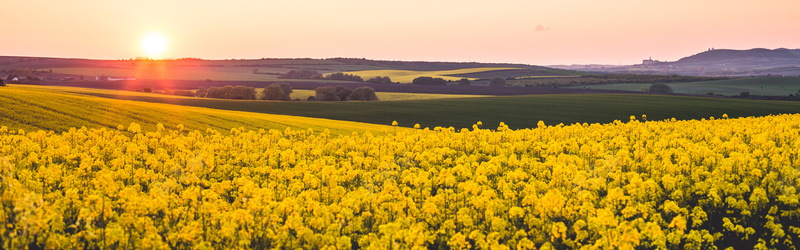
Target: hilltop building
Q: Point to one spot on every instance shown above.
(650, 61)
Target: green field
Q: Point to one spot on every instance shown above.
(57, 109)
(516, 111)
(768, 86)
(406, 76)
(303, 94)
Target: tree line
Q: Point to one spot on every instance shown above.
(276, 92)
(342, 93)
(427, 80)
(338, 76)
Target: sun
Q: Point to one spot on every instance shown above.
(154, 45)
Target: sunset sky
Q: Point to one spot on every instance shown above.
(533, 32)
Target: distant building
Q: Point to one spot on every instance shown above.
(121, 78)
(109, 78)
(649, 61)
(15, 79)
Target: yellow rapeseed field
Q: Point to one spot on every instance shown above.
(406, 76)
(698, 184)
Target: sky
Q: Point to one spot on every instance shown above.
(512, 31)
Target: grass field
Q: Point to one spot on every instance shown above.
(516, 111)
(53, 108)
(406, 76)
(770, 86)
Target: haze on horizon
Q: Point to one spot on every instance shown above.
(513, 31)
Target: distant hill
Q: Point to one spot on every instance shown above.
(714, 62)
(743, 56)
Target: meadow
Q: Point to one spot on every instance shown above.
(696, 184)
(767, 86)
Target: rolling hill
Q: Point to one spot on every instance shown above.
(50, 70)
(715, 62)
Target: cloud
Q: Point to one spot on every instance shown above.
(540, 28)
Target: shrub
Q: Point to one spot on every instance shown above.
(179, 92)
(744, 94)
(363, 94)
(300, 74)
(339, 76)
(147, 90)
(231, 92)
(659, 88)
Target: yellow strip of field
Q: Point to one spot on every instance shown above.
(406, 76)
(60, 108)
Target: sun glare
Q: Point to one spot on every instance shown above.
(154, 45)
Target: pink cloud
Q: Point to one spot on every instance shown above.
(540, 27)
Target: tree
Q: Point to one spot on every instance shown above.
(343, 92)
(2, 83)
(464, 82)
(363, 94)
(427, 80)
(287, 88)
(324, 94)
(659, 88)
(497, 81)
(274, 92)
(243, 93)
(201, 92)
(147, 90)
